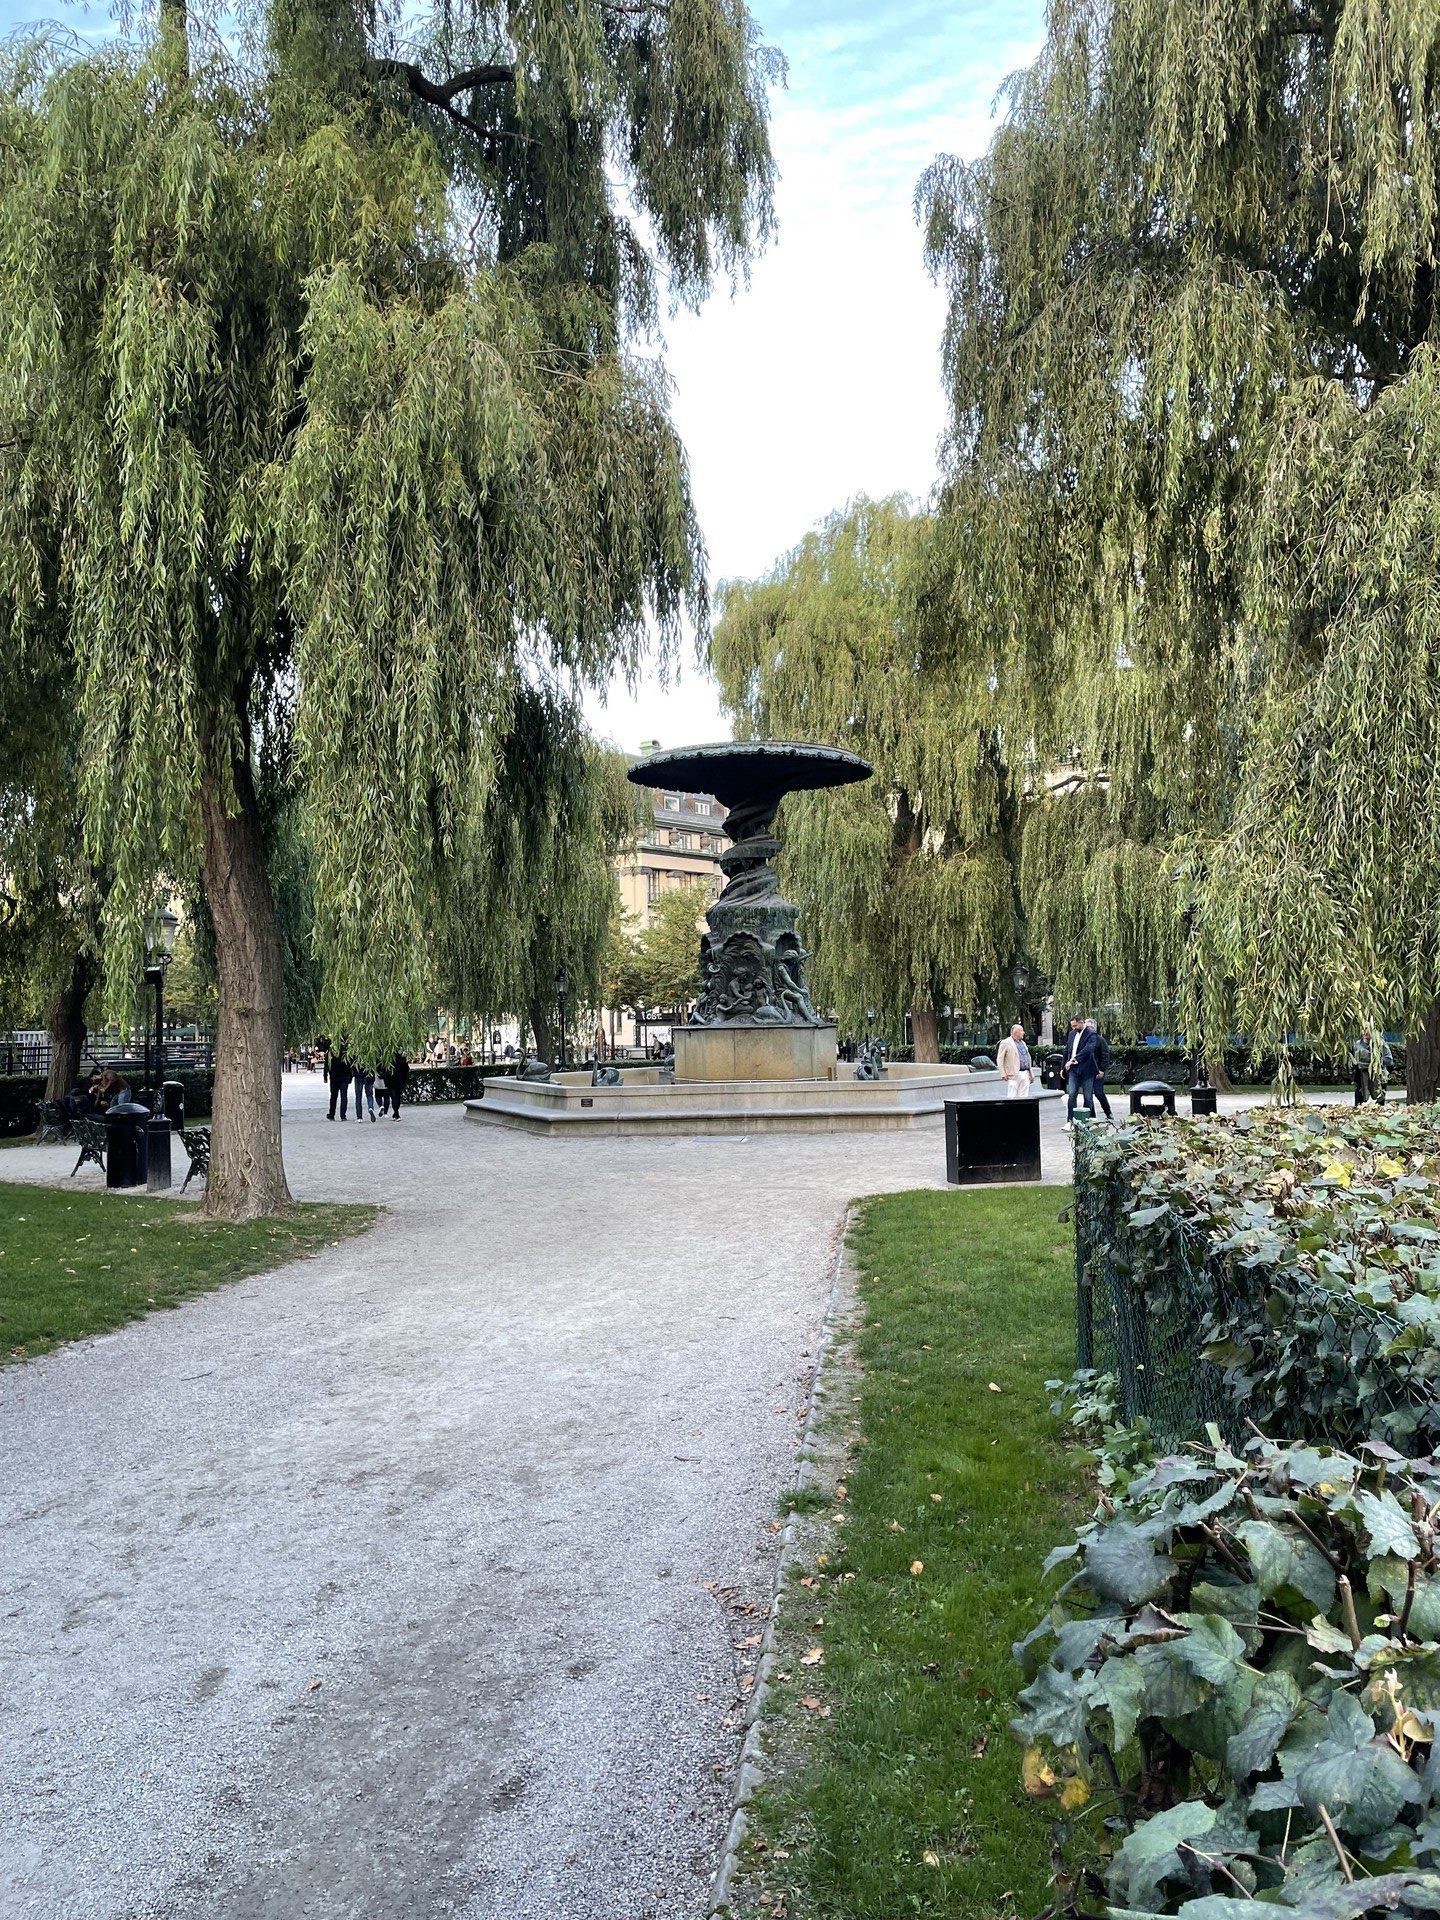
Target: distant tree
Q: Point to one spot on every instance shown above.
(538, 889)
(904, 882)
(1191, 522)
(317, 407)
(668, 950)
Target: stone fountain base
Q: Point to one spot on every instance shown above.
(754, 1052)
(649, 1102)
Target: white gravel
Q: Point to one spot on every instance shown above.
(406, 1581)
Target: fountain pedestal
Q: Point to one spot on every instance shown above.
(738, 1052)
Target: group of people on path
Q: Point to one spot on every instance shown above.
(1083, 1066)
(383, 1083)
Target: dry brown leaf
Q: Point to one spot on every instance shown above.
(917, 1566)
(814, 1657)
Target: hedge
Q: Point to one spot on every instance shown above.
(19, 1093)
(1280, 1268)
(430, 1085)
(1235, 1698)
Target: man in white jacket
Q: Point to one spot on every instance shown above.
(1013, 1060)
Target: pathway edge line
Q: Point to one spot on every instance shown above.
(750, 1770)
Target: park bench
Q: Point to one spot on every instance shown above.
(89, 1136)
(51, 1121)
(196, 1142)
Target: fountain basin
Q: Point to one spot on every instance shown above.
(648, 1101)
(750, 1052)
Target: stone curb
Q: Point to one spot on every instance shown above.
(751, 1771)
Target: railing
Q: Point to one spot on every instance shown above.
(31, 1051)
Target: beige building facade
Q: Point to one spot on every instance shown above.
(680, 847)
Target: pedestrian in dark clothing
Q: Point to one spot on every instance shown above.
(399, 1075)
(364, 1090)
(1102, 1067)
(340, 1075)
(1080, 1057)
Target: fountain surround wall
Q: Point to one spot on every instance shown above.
(754, 1019)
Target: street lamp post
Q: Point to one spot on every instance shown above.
(161, 945)
(562, 983)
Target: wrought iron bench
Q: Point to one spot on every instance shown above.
(196, 1142)
(51, 1121)
(89, 1136)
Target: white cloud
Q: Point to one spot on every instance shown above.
(821, 378)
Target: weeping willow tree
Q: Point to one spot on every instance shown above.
(904, 882)
(317, 379)
(538, 889)
(1189, 505)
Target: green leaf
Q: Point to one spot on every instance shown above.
(1148, 1855)
(1121, 1564)
(1388, 1525)
(1120, 1684)
(1212, 1648)
(1285, 1561)
(1275, 1703)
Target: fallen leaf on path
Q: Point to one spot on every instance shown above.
(812, 1705)
(815, 1657)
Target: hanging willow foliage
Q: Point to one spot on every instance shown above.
(538, 888)
(1188, 521)
(904, 882)
(316, 399)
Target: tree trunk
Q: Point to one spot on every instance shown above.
(1422, 1058)
(543, 1028)
(65, 1020)
(1216, 1075)
(247, 1168)
(925, 1031)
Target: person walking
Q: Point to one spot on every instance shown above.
(340, 1075)
(399, 1074)
(1013, 1060)
(1079, 1069)
(364, 1091)
(382, 1088)
(1102, 1067)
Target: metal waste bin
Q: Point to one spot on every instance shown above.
(1203, 1101)
(173, 1093)
(991, 1140)
(1152, 1098)
(157, 1151)
(126, 1158)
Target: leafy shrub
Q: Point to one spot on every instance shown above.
(1236, 1694)
(18, 1095)
(1295, 1253)
(430, 1085)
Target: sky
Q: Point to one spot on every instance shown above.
(820, 380)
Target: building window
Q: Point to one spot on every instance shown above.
(702, 806)
(672, 803)
(680, 840)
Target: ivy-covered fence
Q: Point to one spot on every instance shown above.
(1280, 1271)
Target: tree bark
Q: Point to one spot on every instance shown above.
(925, 1032)
(1422, 1058)
(247, 1169)
(543, 1029)
(65, 1021)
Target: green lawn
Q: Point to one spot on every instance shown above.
(73, 1264)
(905, 1797)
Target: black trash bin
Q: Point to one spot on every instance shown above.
(991, 1140)
(174, 1102)
(1152, 1098)
(126, 1157)
(157, 1150)
(1203, 1101)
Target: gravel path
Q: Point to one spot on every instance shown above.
(409, 1580)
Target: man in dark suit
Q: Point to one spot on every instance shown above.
(1079, 1068)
